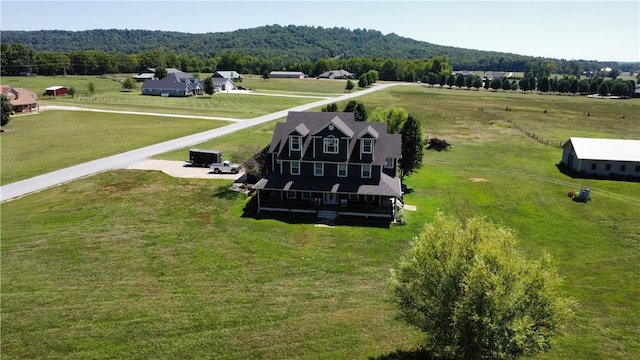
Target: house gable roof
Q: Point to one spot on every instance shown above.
(226, 75)
(218, 81)
(336, 122)
(387, 145)
(170, 82)
(605, 149)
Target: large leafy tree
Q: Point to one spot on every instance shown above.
(394, 117)
(412, 146)
(6, 110)
(128, 84)
(474, 295)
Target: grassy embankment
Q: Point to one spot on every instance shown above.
(138, 264)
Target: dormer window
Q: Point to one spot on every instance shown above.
(366, 146)
(295, 143)
(330, 145)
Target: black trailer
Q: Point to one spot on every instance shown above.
(204, 158)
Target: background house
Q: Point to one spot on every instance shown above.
(175, 84)
(602, 157)
(21, 99)
(328, 164)
(223, 84)
(287, 75)
(56, 91)
(336, 74)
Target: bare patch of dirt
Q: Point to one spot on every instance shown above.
(478, 179)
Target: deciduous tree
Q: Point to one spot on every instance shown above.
(474, 295)
(128, 84)
(349, 86)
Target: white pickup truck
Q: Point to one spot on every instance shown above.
(225, 166)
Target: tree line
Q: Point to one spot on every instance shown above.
(565, 84)
(275, 47)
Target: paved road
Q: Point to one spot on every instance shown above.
(38, 183)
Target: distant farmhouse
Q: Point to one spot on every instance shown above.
(176, 83)
(336, 74)
(21, 99)
(222, 84)
(328, 164)
(606, 158)
(287, 75)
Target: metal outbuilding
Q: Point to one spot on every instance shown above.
(56, 91)
(602, 157)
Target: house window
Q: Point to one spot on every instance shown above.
(370, 198)
(291, 194)
(607, 167)
(623, 168)
(353, 197)
(366, 146)
(294, 143)
(318, 169)
(295, 168)
(306, 195)
(594, 166)
(331, 145)
(342, 170)
(388, 163)
(366, 171)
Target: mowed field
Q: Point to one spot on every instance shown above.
(136, 264)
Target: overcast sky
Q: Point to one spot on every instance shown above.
(587, 30)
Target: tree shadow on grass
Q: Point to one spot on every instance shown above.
(224, 192)
(418, 354)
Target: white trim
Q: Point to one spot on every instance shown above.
(329, 141)
(291, 167)
(362, 171)
(346, 170)
(315, 169)
(371, 143)
(298, 141)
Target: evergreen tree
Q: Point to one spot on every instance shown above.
(412, 147)
(363, 82)
(209, 89)
(349, 86)
(496, 83)
(6, 108)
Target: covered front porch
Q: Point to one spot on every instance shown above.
(330, 206)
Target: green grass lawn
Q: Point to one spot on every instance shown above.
(135, 264)
(108, 95)
(51, 140)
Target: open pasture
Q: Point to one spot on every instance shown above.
(51, 140)
(138, 264)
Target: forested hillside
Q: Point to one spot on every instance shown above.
(311, 50)
(281, 44)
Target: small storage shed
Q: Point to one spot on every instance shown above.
(56, 91)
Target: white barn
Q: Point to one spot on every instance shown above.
(287, 75)
(602, 157)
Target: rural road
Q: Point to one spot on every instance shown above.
(123, 160)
